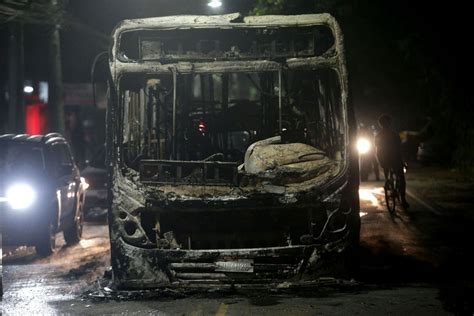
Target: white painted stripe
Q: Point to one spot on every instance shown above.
(420, 201)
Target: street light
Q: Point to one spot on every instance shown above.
(215, 4)
(28, 89)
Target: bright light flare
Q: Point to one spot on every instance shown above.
(215, 4)
(84, 183)
(28, 89)
(363, 145)
(20, 196)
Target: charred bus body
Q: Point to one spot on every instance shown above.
(229, 150)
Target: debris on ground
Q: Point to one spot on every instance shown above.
(104, 289)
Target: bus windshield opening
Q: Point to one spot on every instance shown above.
(217, 116)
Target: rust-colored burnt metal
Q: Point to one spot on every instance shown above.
(229, 155)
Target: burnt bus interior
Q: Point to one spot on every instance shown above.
(173, 124)
(217, 116)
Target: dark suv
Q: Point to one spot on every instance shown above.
(41, 191)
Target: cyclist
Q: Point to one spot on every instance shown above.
(389, 153)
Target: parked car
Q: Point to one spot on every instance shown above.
(41, 191)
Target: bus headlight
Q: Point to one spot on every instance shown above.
(363, 145)
(20, 196)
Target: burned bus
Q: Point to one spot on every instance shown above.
(229, 151)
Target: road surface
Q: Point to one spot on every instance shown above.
(401, 273)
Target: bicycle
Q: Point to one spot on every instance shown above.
(392, 191)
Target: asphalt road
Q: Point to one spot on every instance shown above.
(403, 271)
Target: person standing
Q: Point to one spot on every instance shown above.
(368, 161)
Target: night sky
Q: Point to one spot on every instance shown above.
(402, 56)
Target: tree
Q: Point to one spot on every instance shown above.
(52, 14)
(412, 60)
(31, 12)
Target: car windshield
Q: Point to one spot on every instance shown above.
(21, 158)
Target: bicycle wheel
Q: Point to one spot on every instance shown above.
(390, 196)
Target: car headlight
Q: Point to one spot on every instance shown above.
(20, 196)
(363, 145)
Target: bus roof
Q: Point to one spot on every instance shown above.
(227, 20)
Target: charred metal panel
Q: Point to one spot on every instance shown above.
(156, 268)
(229, 44)
(278, 210)
(188, 172)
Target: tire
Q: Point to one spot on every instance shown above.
(73, 233)
(46, 240)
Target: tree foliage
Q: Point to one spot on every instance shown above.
(31, 12)
(402, 56)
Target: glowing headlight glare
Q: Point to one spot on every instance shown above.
(20, 196)
(363, 145)
(85, 185)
